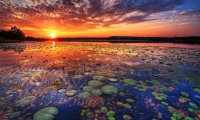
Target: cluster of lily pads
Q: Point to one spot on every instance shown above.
(96, 87)
(62, 73)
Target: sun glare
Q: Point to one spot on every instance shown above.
(53, 35)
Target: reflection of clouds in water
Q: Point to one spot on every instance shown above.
(44, 68)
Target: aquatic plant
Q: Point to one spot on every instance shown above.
(95, 83)
(176, 116)
(71, 93)
(122, 94)
(188, 118)
(113, 79)
(110, 113)
(62, 91)
(129, 82)
(15, 114)
(191, 110)
(111, 118)
(47, 113)
(165, 103)
(127, 117)
(96, 92)
(98, 77)
(25, 101)
(132, 71)
(104, 110)
(130, 100)
(196, 89)
(108, 89)
(184, 94)
(87, 88)
(84, 95)
(193, 105)
(159, 96)
(120, 103)
(127, 106)
(78, 76)
(183, 100)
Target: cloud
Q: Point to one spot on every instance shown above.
(83, 14)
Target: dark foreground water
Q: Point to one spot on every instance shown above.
(99, 81)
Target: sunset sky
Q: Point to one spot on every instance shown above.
(102, 18)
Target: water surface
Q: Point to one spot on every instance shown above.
(99, 81)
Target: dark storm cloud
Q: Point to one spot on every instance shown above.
(85, 12)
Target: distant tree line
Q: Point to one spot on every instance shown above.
(13, 34)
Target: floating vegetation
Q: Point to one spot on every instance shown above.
(129, 82)
(95, 83)
(89, 81)
(87, 88)
(113, 79)
(47, 113)
(108, 89)
(25, 101)
(71, 93)
(84, 95)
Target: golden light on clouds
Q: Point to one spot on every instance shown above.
(101, 18)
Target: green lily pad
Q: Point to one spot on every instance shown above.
(62, 91)
(71, 93)
(108, 89)
(25, 101)
(110, 113)
(113, 79)
(193, 105)
(47, 113)
(104, 110)
(127, 117)
(98, 77)
(129, 82)
(96, 92)
(184, 94)
(87, 88)
(84, 95)
(95, 83)
(127, 106)
(111, 118)
(129, 100)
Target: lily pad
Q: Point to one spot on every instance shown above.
(62, 91)
(96, 92)
(129, 100)
(193, 105)
(127, 106)
(71, 93)
(127, 117)
(110, 113)
(113, 79)
(25, 101)
(98, 77)
(108, 89)
(184, 94)
(87, 88)
(95, 83)
(47, 113)
(104, 110)
(84, 95)
(129, 82)
(111, 118)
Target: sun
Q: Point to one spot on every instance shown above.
(53, 35)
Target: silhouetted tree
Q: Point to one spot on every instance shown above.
(13, 33)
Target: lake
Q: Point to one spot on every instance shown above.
(99, 81)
